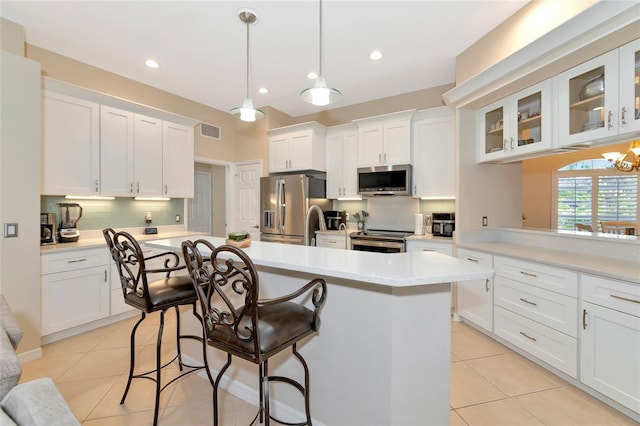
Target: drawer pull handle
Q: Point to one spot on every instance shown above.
(528, 274)
(528, 337)
(626, 299)
(486, 285)
(584, 319)
(528, 302)
(472, 260)
(105, 275)
(76, 260)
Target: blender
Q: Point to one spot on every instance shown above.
(70, 214)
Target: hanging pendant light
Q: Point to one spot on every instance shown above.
(320, 94)
(247, 112)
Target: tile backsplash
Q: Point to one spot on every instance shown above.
(118, 213)
(394, 212)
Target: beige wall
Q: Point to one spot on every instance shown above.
(528, 24)
(239, 141)
(65, 69)
(20, 186)
(537, 182)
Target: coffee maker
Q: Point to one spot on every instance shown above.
(334, 218)
(47, 228)
(70, 214)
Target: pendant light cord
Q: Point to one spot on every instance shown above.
(247, 23)
(320, 47)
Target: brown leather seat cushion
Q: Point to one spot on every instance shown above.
(279, 326)
(167, 292)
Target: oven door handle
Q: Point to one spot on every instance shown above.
(373, 243)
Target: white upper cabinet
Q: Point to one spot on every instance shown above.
(296, 148)
(96, 149)
(599, 100)
(342, 161)
(148, 156)
(385, 139)
(516, 126)
(116, 152)
(588, 101)
(629, 97)
(70, 150)
(433, 154)
(177, 160)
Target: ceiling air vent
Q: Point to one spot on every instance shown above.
(210, 131)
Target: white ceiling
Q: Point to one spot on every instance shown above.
(201, 46)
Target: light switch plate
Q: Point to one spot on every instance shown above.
(10, 230)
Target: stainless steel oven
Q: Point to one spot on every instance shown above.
(378, 240)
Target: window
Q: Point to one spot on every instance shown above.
(590, 191)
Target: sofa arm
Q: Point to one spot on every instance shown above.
(10, 367)
(38, 403)
(9, 323)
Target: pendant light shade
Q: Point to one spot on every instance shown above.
(247, 112)
(320, 94)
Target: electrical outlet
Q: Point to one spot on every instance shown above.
(485, 222)
(177, 218)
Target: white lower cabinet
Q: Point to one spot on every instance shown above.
(475, 297)
(75, 288)
(536, 310)
(610, 339)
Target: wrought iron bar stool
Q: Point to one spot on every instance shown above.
(237, 322)
(149, 296)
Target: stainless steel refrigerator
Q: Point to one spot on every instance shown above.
(284, 201)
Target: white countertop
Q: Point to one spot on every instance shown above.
(627, 270)
(94, 240)
(393, 270)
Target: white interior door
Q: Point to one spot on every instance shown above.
(248, 198)
(199, 206)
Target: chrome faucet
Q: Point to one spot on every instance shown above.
(323, 226)
(346, 234)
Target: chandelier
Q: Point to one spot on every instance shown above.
(628, 161)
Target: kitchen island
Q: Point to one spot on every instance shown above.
(382, 354)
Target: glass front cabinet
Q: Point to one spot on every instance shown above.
(516, 126)
(599, 99)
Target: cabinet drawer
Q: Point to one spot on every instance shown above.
(444, 248)
(555, 348)
(542, 276)
(481, 258)
(619, 295)
(72, 260)
(554, 310)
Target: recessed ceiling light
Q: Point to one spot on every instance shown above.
(263, 90)
(151, 63)
(375, 55)
(312, 75)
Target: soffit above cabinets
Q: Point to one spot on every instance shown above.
(603, 27)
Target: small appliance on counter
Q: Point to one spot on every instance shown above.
(443, 224)
(70, 214)
(47, 228)
(334, 218)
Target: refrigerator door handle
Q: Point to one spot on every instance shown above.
(282, 205)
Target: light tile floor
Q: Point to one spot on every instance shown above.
(490, 384)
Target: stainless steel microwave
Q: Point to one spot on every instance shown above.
(384, 180)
